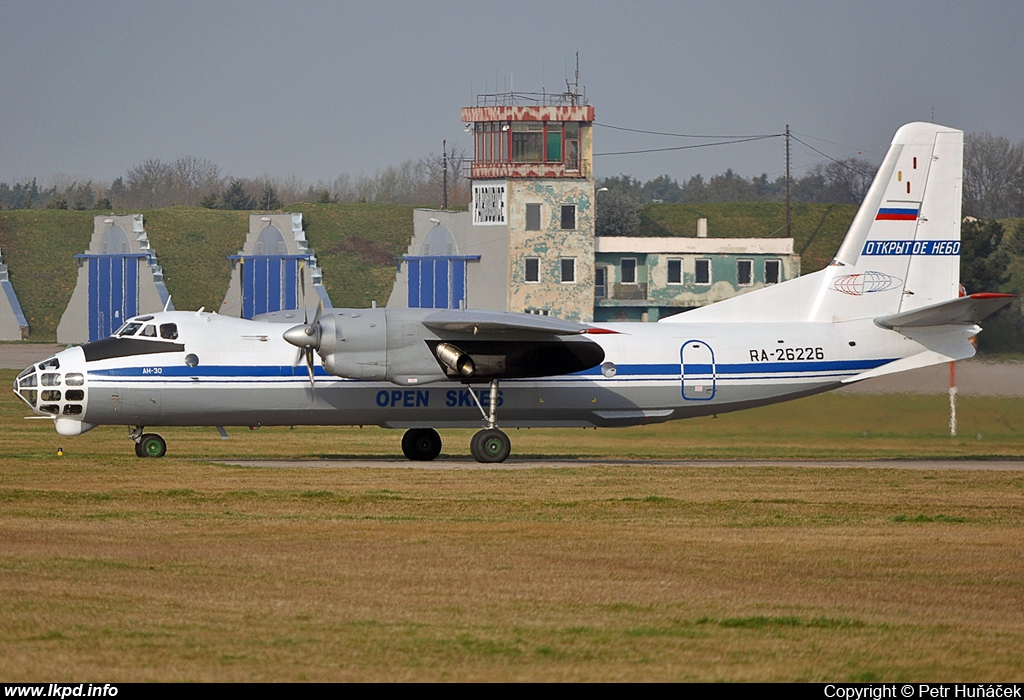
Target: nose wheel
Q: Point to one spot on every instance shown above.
(421, 444)
(147, 444)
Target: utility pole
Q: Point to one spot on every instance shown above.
(444, 170)
(789, 221)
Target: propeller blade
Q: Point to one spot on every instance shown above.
(302, 287)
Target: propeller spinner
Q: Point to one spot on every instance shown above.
(307, 338)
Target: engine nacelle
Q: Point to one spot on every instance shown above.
(354, 344)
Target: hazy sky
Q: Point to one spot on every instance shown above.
(316, 88)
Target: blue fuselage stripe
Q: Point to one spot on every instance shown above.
(675, 370)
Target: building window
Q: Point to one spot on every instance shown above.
(568, 269)
(533, 217)
(702, 271)
(533, 269)
(675, 271)
(744, 272)
(627, 271)
(568, 216)
(572, 146)
(538, 312)
(527, 142)
(772, 271)
(600, 282)
(554, 143)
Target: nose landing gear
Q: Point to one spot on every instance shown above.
(147, 444)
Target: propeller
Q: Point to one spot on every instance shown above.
(307, 339)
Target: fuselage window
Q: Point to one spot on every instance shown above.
(129, 329)
(74, 379)
(74, 395)
(149, 331)
(50, 379)
(169, 331)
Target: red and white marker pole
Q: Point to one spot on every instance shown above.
(952, 399)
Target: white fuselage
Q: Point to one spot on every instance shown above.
(224, 371)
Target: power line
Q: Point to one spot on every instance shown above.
(687, 136)
(696, 145)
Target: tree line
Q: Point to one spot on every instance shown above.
(193, 181)
(993, 185)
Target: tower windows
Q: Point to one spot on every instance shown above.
(568, 269)
(568, 217)
(532, 270)
(533, 217)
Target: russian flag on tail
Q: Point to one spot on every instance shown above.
(892, 214)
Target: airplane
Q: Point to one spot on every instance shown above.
(890, 301)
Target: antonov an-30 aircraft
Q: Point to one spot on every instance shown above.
(888, 302)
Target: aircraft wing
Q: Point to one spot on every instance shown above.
(964, 311)
(499, 322)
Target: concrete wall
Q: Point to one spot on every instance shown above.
(74, 324)
(13, 325)
(290, 227)
(486, 279)
(574, 300)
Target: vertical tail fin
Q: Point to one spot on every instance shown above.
(906, 235)
(902, 251)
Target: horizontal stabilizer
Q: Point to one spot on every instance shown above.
(500, 321)
(964, 311)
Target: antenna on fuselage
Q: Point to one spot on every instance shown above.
(167, 304)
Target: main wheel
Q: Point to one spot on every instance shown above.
(151, 445)
(490, 445)
(421, 444)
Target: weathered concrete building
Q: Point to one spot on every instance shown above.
(644, 279)
(273, 268)
(118, 277)
(527, 242)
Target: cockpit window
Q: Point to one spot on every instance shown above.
(52, 363)
(129, 328)
(149, 331)
(169, 331)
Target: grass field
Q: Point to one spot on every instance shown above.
(114, 568)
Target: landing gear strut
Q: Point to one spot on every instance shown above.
(490, 445)
(147, 444)
(421, 444)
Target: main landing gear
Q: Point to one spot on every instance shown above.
(147, 444)
(489, 445)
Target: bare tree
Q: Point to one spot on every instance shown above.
(150, 184)
(432, 169)
(993, 176)
(193, 178)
